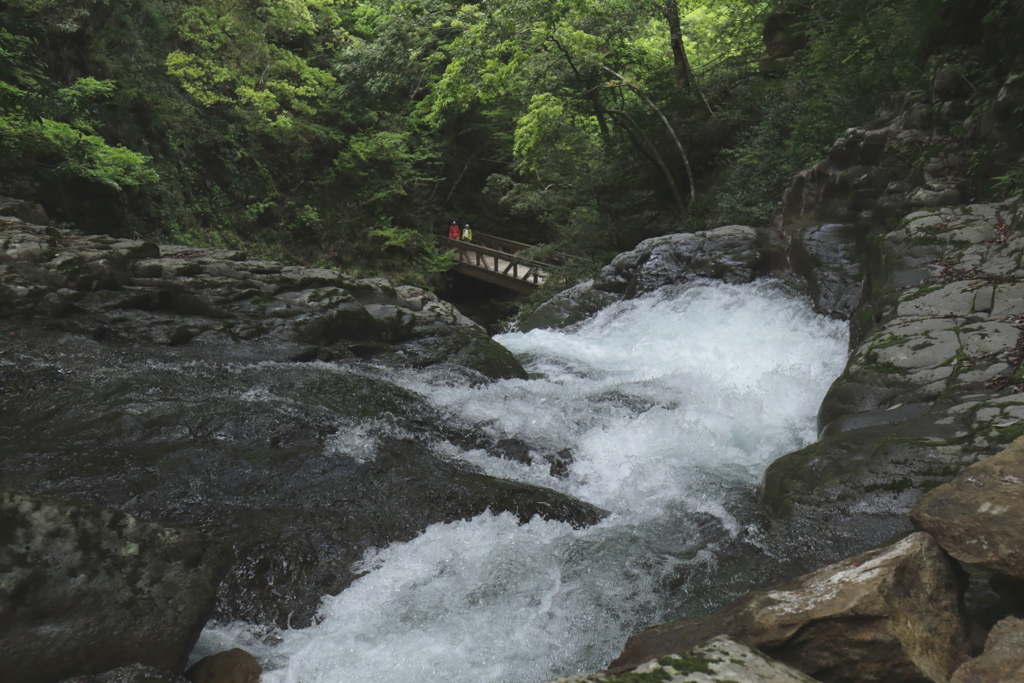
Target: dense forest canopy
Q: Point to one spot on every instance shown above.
(348, 132)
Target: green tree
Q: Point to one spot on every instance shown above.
(47, 130)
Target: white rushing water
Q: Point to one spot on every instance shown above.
(673, 406)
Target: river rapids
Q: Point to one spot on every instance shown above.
(672, 406)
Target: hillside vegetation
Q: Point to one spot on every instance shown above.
(347, 132)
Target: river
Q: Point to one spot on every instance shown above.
(671, 406)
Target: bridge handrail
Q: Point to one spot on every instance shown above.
(501, 241)
(470, 246)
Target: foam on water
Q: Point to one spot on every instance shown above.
(672, 405)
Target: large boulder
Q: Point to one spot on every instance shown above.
(978, 517)
(1003, 659)
(731, 253)
(887, 615)
(720, 660)
(569, 307)
(829, 257)
(85, 589)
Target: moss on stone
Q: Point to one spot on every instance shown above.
(655, 676)
(687, 664)
(1008, 433)
(1018, 374)
(893, 340)
(490, 358)
(890, 369)
(921, 291)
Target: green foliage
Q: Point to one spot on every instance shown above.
(1012, 182)
(237, 57)
(52, 128)
(289, 126)
(858, 55)
(422, 259)
(73, 153)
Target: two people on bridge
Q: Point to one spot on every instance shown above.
(455, 233)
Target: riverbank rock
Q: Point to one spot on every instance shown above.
(301, 467)
(133, 291)
(978, 517)
(720, 660)
(85, 589)
(887, 615)
(933, 386)
(732, 253)
(829, 257)
(1003, 660)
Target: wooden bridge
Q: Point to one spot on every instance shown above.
(493, 260)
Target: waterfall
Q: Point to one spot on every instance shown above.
(672, 406)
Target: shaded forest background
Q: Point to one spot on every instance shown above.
(347, 132)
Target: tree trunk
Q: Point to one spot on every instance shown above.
(664, 119)
(684, 76)
(651, 152)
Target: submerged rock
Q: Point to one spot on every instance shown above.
(887, 615)
(720, 660)
(134, 673)
(231, 666)
(85, 589)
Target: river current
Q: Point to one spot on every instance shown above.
(672, 406)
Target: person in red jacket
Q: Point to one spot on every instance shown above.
(454, 232)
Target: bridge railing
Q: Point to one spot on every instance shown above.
(499, 243)
(501, 261)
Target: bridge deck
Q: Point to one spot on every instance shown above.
(493, 259)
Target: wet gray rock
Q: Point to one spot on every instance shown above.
(570, 306)
(22, 211)
(296, 465)
(829, 257)
(490, 359)
(134, 673)
(85, 589)
(134, 291)
(887, 615)
(977, 517)
(720, 660)
(732, 253)
(865, 179)
(1003, 659)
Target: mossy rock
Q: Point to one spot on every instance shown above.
(880, 465)
(490, 358)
